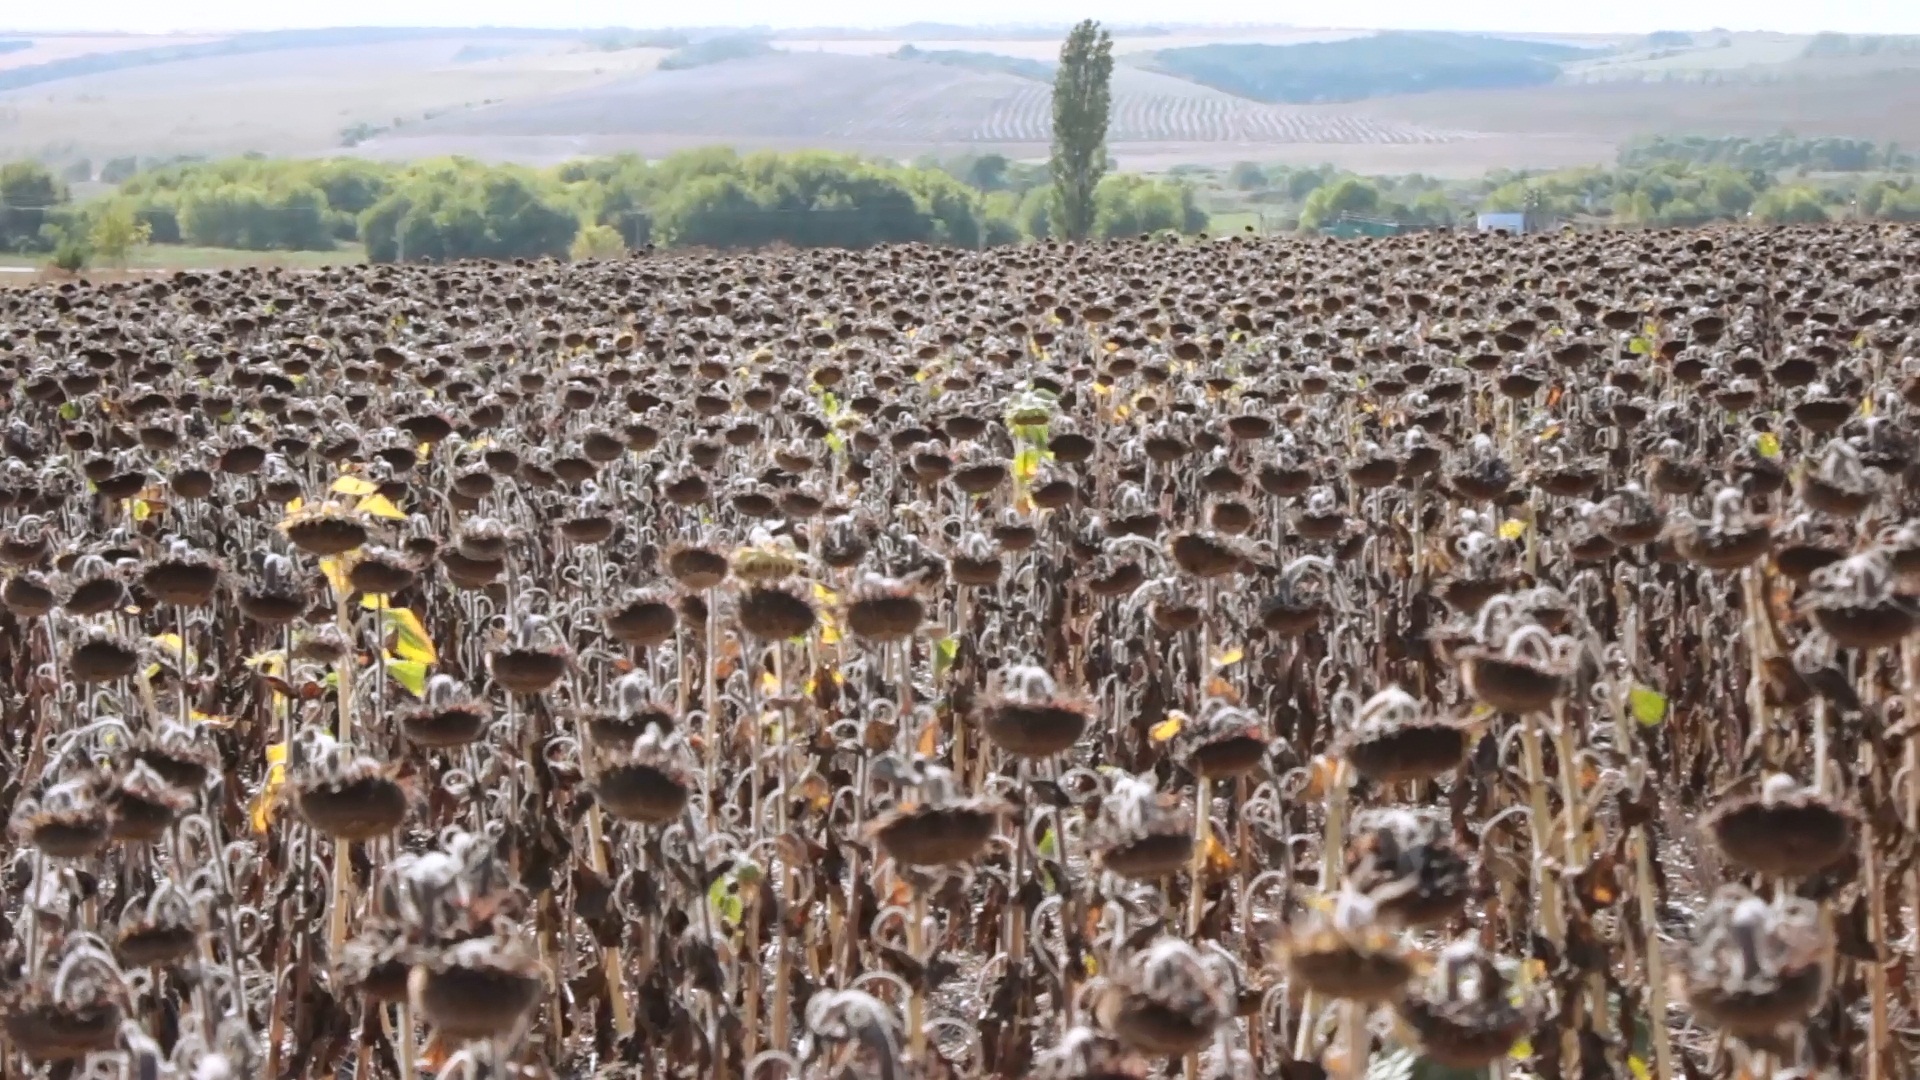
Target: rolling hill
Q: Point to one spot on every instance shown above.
(1396, 62)
(1389, 101)
(875, 101)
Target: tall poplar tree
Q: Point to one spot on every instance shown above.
(1082, 100)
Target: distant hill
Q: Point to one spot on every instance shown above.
(1882, 106)
(1395, 62)
(1383, 102)
(836, 99)
(1844, 45)
(975, 60)
(1720, 56)
(246, 44)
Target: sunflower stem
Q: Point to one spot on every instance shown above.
(1202, 832)
(342, 849)
(1359, 1045)
(611, 959)
(1546, 891)
(917, 1005)
(1656, 963)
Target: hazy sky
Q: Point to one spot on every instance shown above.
(1858, 16)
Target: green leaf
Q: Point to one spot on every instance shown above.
(1649, 705)
(1026, 463)
(1049, 846)
(70, 410)
(725, 901)
(835, 443)
(829, 404)
(944, 651)
(1640, 346)
(411, 674)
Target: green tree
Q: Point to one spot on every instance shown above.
(29, 195)
(1036, 215)
(597, 242)
(988, 172)
(1790, 206)
(1351, 195)
(1000, 219)
(116, 231)
(1432, 209)
(1130, 205)
(1246, 176)
(119, 169)
(1082, 100)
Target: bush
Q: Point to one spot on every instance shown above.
(71, 254)
(597, 242)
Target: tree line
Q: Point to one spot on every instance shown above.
(1664, 193)
(452, 208)
(1773, 153)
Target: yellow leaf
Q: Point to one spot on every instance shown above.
(374, 601)
(1639, 1069)
(267, 663)
(928, 744)
(1521, 1050)
(410, 641)
(199, 717)
(142, 509)
(1866, 406)
(1219, 859)
(265, 806)
(381, 507)
(824, 594)
(769, 684)
(295, 506)
(336, 570)
(1512, 529)
(411, 674)
(1230, 657)
(353, 485)
(1768, 444)
(1168, 728)
(267, 803)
